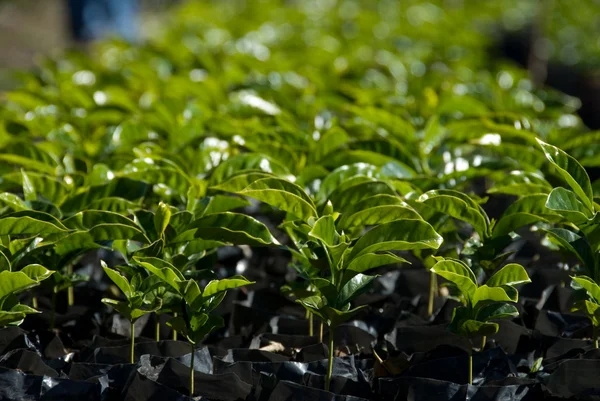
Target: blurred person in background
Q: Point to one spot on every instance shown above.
(95, 19)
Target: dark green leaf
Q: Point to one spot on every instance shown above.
(459, 274)
(572, 172)
(397, 235)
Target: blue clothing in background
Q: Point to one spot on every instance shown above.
(94, 19)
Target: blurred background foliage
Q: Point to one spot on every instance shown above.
(412, 45)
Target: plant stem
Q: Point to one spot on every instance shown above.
(471, 367)
(70, 289)
(157, 329)
(432, 291)
(34, 302)
(53, 308)
(330, 366)
(321, 332)
(132, 350)
(175, 331)
(483, 341)
(192, 373)
(595, 336)
(311, 329)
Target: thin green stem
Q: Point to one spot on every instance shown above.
(595, 335)
(331, 265)
(157, 329)
(70, 290)
(432, 291)
(53, 308)
(483, 342)
(330, 366)
(34, 302)
(471, 367)
(132, 347)
(311, 329)
(175, 331)
(321, 332)
(192, 373)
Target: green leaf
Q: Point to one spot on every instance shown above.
(29, 192)
(162, 216)
(197, 321)
(179, 324)
(459, 206)
(47, 187)
(397, 235)
(591, 310)
(511, 274)
(432, 135)
(458, 273)
(324, 230)
(77, 241)
(377, 215)
(114, 204)
(88, 219)
(166, 272)
(110, 232)
(313, 302)
(246, 161)
(494, 294)
(341, 174)
(31, 223)
(589, 285)
(234, 228)
(26, 162)
(125, 188)
(524, 211)
(353, 288)
(173, 178)
(331, 140)
(335, 317)
(218, 204)
(572, 172)
(575, 244)
(214, 322)
(13, 201)
(36, 272)
(15, 315)
(5, 263)
(14, 282)
(214, 301)
(519, 189)
(119, 280)
(513, 222)
(497, 311)
(240, 181)
(190, 291)
(130, 313)
(349, 196)
(216, 286)
(370, 261)
(566, 203)
(283, 195)
(473, 328)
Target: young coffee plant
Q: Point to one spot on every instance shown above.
(139, 298)
(187, 240)
(484, 249)
(580, 232)
(195, 319)
(336, 262)
(12, 283)
(481, 303)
